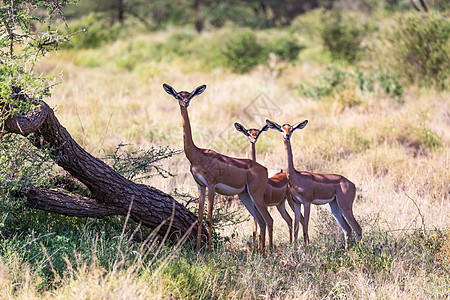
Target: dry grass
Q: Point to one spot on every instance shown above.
(380, 145)
(396, 153)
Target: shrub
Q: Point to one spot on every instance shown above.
(381, 79)
(417, 49)
(243, 51)
(179, 44)
(94, 32)
(414, 135)
(310, 24)
(135, 52)
(343, 37)
(140, 50)
(21, 164)
(333, 80)
(286, 48)
(336, 80)
(139, 164)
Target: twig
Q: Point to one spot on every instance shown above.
(175, 251)
(145, 252)
(2, 117)
(107, 127)
(49, 259)
(82, 127)
(418, 209)
(124, 227)
(167, 233)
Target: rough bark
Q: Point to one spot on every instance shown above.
(110, 193)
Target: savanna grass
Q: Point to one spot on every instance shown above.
(395, 149)
(414, 259)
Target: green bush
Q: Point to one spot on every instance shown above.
(243, 51)
(140, 50)
(336, 80)
(343, 37)
(93, 31)
(286, 48)
(179, 44)
(417, 49)
(135, 52)
(381, 79)
(333, 80)
(23, 165)
(310, 25)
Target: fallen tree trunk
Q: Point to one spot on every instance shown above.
(110, 193)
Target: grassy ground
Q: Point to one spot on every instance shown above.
(394, 150)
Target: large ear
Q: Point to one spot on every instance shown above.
(264, 128)
(299, 125)
(170, 90)
(197, 91)
(240, 128)
(273, 125)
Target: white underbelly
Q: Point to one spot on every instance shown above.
(316, 201)
(322, 201)
(221, 188)
(224, 189)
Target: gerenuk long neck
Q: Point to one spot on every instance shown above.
(289, 160)
(252, 151)
(189, 147)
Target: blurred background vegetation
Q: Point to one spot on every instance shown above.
(372, 76)
(247, 32)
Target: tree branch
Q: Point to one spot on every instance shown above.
(65, 204)
(111, 193)
(26, 124)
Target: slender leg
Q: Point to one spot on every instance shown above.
(201, 207)
(262, 236)
(307, 208)
(253, 199)
(337, 213)
(262, 227)
(255, 188)
(266, 221)
(298, 219)
(282, 209)
(211, 194)
(290, 200)
(345, 197)
(269, 223)
(255, 230)
(248, 202)
(351, 219)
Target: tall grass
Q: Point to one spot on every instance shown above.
(391, 140)
(389, 263)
